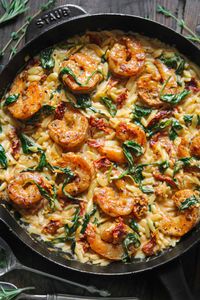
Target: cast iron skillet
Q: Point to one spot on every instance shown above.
(52, 27)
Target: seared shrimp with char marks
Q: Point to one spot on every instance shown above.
(151, 84)
(117, 203)
(188, 148)
(113, 153)
(126, 58)
(131, 132)
(23, 191)
(85, 71)
(29, 99)
(185, 220)
(106, 239)
(82, 171)
(71, 131)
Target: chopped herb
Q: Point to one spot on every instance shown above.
(112, 108)
(3, 158)
(28, 146)
(163, 166)
(134, 225)
(132, 239)
(173, 131)
(11, 99)
(86, 219)
(188, 119)
(174, 98)
(193, 200)
(158, 127)
(46, 59)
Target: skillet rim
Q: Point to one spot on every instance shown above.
(101, 270)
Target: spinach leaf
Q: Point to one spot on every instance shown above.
(112, 108)
(174, 98)
(3, 158)
(140, 111)
(82, 101)
(41, 165)
(87, 218)
(134, 225)
(45, 110)
(46, 59)
(132, 239)
(189, 202)
(70, 230)
(68, 71)
(44, 193)
(11, 99)
(176, 62)
(28, 146)
(188, 119)
(147, 189)
(198, 120)
(184, 162)
(163, 166)
(158, 127)
(1, 128)
(173, 131)
(131, 147)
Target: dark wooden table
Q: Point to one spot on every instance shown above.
(147, 285)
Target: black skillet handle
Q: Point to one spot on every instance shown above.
(51, 18)
(173, 278)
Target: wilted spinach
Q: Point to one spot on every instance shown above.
(112, 108)
(3, 158)
(46, 59)
(11, 99)
(174, 98)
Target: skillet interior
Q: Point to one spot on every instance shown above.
(57, 34)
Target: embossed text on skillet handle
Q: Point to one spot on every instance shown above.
(51, 18)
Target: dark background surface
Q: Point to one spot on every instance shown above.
(146, 286)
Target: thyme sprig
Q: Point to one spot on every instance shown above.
(20, 33)
(12, 293)
(167, 13)
(12, 9)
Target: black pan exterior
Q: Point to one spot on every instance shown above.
(59, 33)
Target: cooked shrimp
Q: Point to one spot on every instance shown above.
(188, 148)
(119, 203)
(150, 85)
(85, 70)
(29, 100)
(126, 58)
(129, 131)
(106, 249)
(113, 153)
(23, 191)
(82, 171)
(71, 131)
(185, 220)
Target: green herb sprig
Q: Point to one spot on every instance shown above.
(18, 35)
(12, 9)
(167, 13)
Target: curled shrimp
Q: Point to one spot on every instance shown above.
(120, 203)
(103, 242)
(83, 75)
(151, 84)
(189, 148)
(126, 58)
(23, 191)
(29, 100)
(129, 131)
(185, 220)
(113, 153)
(71, 131)
(82, 173)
